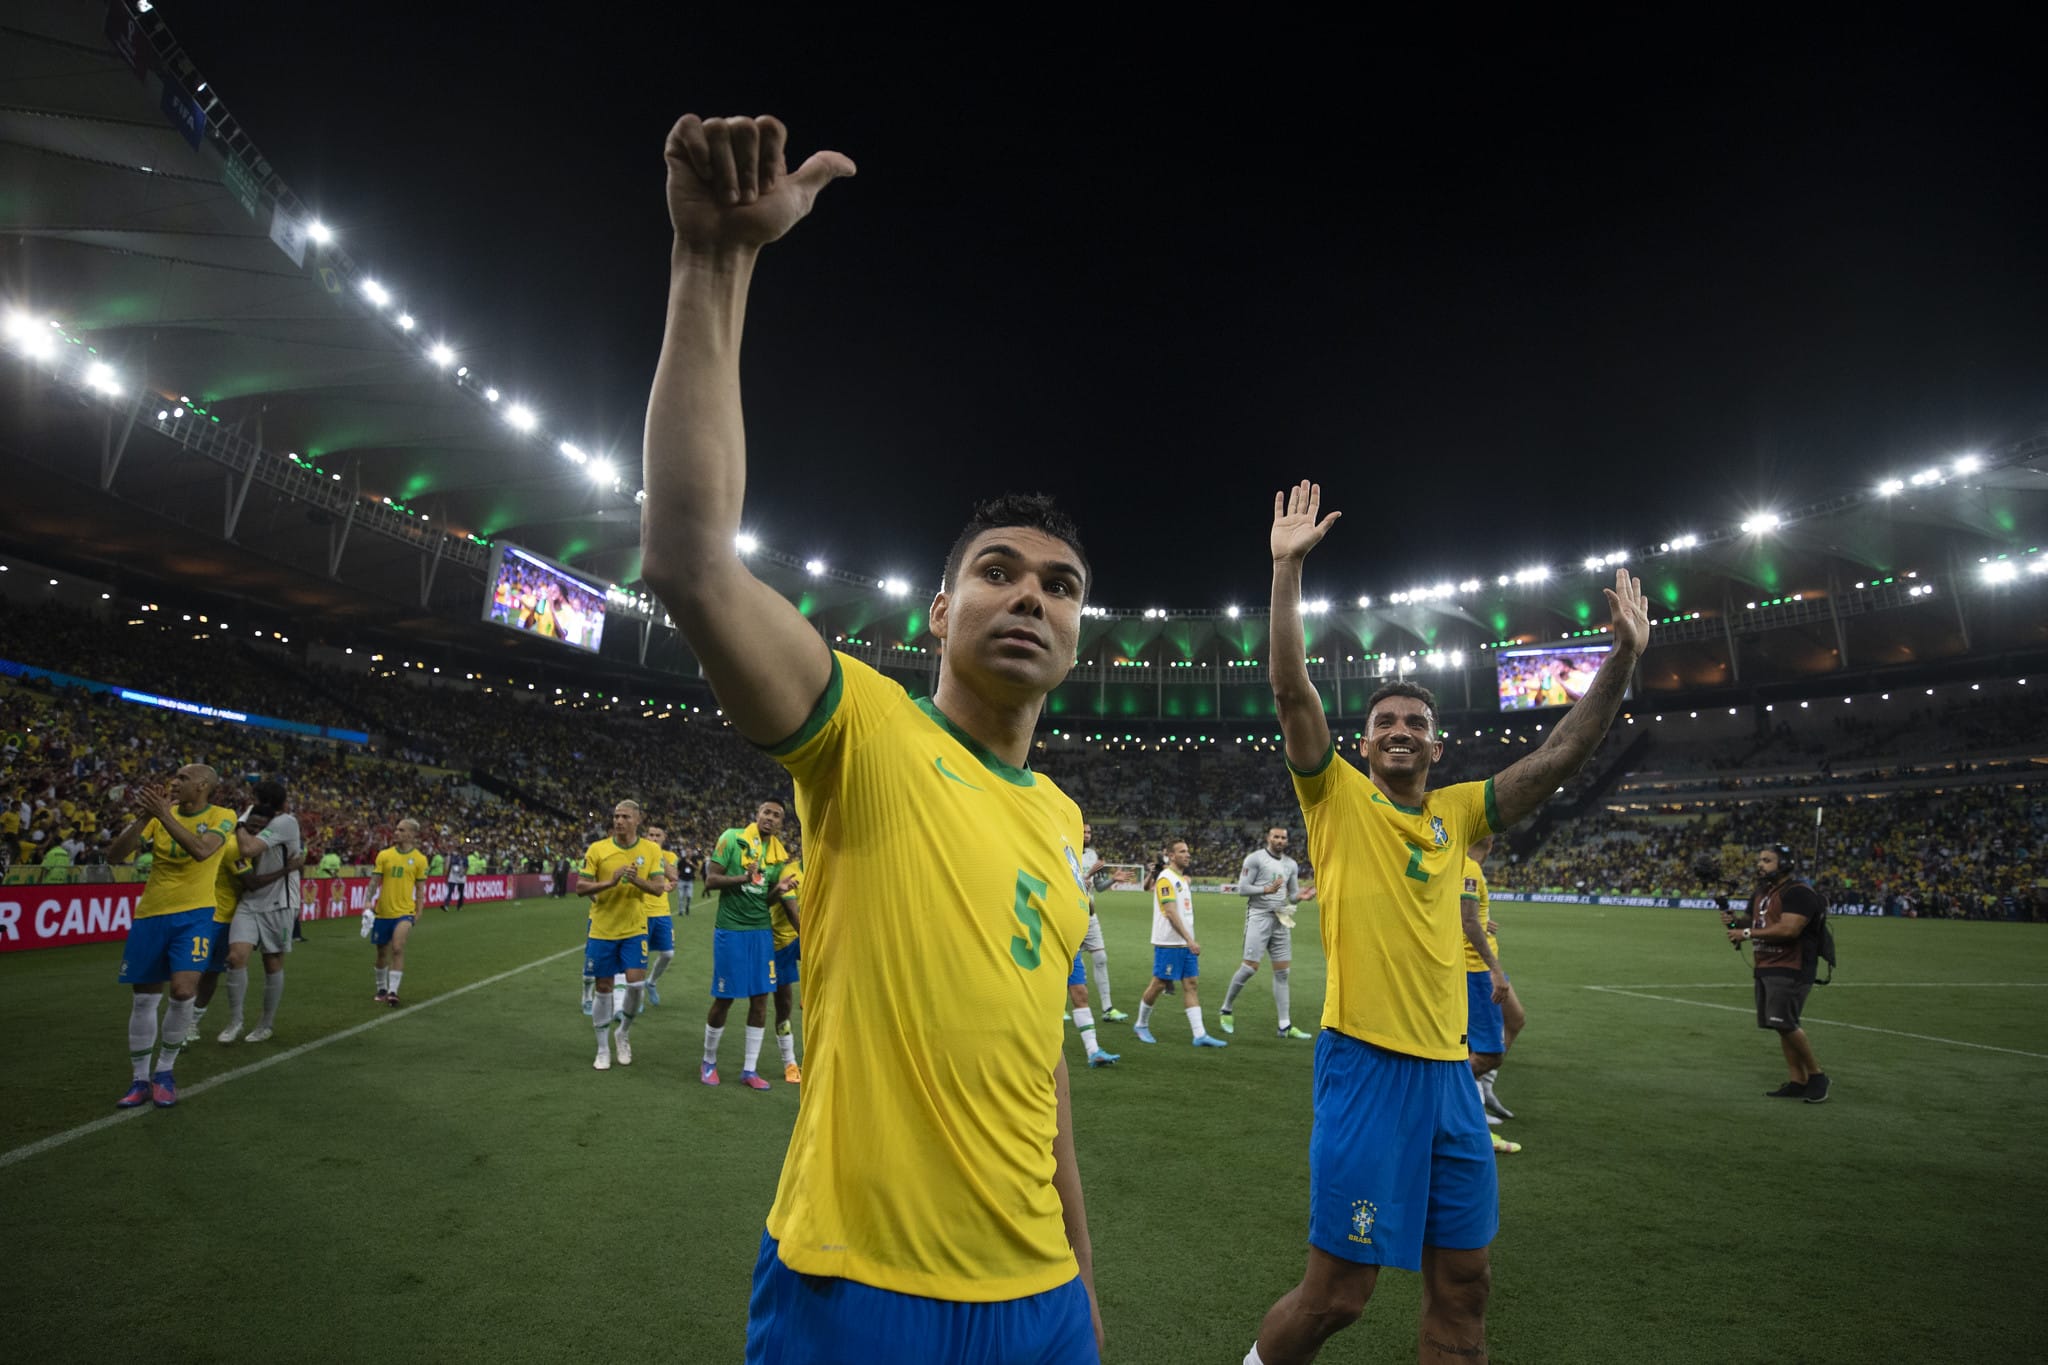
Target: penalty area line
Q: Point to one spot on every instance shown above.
(56, 1140)
(1846, 985)
(1831, 1023)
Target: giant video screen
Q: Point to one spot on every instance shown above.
(1547, 675)
(535, 596)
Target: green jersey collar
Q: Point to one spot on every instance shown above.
(1016, 777)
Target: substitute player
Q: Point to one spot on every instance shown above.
(933, 852)
(619, 874)
(400, 869)
(1487, 991)
(1176, 955)
(785, 914)
(1091, 946)
(170, 938)
(661, 922)
(1400, 1169)
(1271, 883)
(746, 870)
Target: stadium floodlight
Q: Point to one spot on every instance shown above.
(1457, 658)
(1761, 523)
(1925, 477)
(1232, 611)
(1969, 464)
(603, 472)
(1593, 561)
(895, 587)
(1502, 581)
(376, 293)
(1537, 574)
(745, 543)
(2001, 571)
(1469, 585)
(521, 416)
(319, 232)
(1316, 608)
(1435, 658)
(100, 375)
(1890, 487)
(2039, 565)
(1364, 600)
(441, 354)
(814, 567)
(490, 395)
(1685, 542)
(406, 322)
(177, 412)
(570, 452)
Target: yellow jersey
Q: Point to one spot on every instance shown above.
(397, 874)
(178, 881)
(1475, 890)
(227, 887)
(665, 864)
(1172, 892)
(778, 918)
(622, 911)
(921, 1160)
(1388, 879)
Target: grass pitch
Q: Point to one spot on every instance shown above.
(454, 1182)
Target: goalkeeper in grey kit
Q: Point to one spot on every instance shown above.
(1271, 883)
(1091, 942)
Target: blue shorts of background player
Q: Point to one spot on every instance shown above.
(661, 933)
(1399, 1157)
(1175, 964)
(789, 963)
(1077, 977)
(613, 957)
(217, 959)
(1485, 1030)
(797, 1319)
(381, 929)
(161, 946)
(742, 963)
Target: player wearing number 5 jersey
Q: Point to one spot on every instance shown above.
(930, 1207)
(1401, 1171)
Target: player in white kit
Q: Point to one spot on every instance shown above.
(1091, 944)
(1270, 882)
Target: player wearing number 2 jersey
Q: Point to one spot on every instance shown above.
(930, 1207)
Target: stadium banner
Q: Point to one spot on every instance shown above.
(1566, 898)
(9, 668)
(59, 916)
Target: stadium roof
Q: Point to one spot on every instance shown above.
(231, 404)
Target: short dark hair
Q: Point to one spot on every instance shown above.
(1034, 510)
(1403, 689)
(270, 793)
(774, 801)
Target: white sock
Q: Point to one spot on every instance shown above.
(395, 974)
(1084, 1020)
(198, 1013)
(1102, 979)
(1238, 981)
(753, 1057)
(142, 1032)
(1253, 1357)
(711, 1037)
(177, 1028)
(635, 993)
(238, 991)
(273, 992)
(1283, 997)
(589, 988)
(601, 1015)
(661, 961)
(384, 980)
(1195, 1021)
(785, 1043)
(1144, 1014)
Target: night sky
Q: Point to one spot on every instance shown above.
(1510, 300)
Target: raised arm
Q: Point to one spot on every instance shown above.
(729, 195)
(1296, 531)
(1523, 786)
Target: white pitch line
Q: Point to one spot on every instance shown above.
(1866, 985)
(122, 1116)
(1831, 1023)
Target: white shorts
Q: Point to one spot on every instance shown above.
(1265, 934)
(269, 930)
(1091, 942)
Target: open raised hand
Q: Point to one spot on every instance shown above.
(1296, 529)
(1631, 623)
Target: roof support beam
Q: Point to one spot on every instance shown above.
(111, 450)
(238, 496)
(337, 534)
(430, 563)
(1841, 638)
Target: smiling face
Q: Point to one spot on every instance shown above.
(1400, 740)
(1012, 622)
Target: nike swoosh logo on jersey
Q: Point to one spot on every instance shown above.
(940, 764)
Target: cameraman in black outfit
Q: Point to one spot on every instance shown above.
(1783, 926)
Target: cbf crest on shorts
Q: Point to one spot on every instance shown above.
(1363, 1212)
(1436, 825)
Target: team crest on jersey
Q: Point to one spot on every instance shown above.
(1363, 1212)
(1074, 866)
(1436, 825)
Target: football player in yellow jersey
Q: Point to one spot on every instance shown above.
(785, 917)
(1487, 991)
(1401, 1171)
(661, 920)
(930, 1206)
(618, 875)
(170, 938)
(400, 870)
(1176, 953)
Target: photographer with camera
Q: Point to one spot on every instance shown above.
(1784, 925)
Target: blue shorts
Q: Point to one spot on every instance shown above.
(661, 933)
(381, 929)
(742, 963)
(1399, 1157)
(608, 957)
(788, 963)
(797, 1319)
(163, 945)
(1175, 964)
(1078, 977)
(1484, 1031)
(217, 960)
